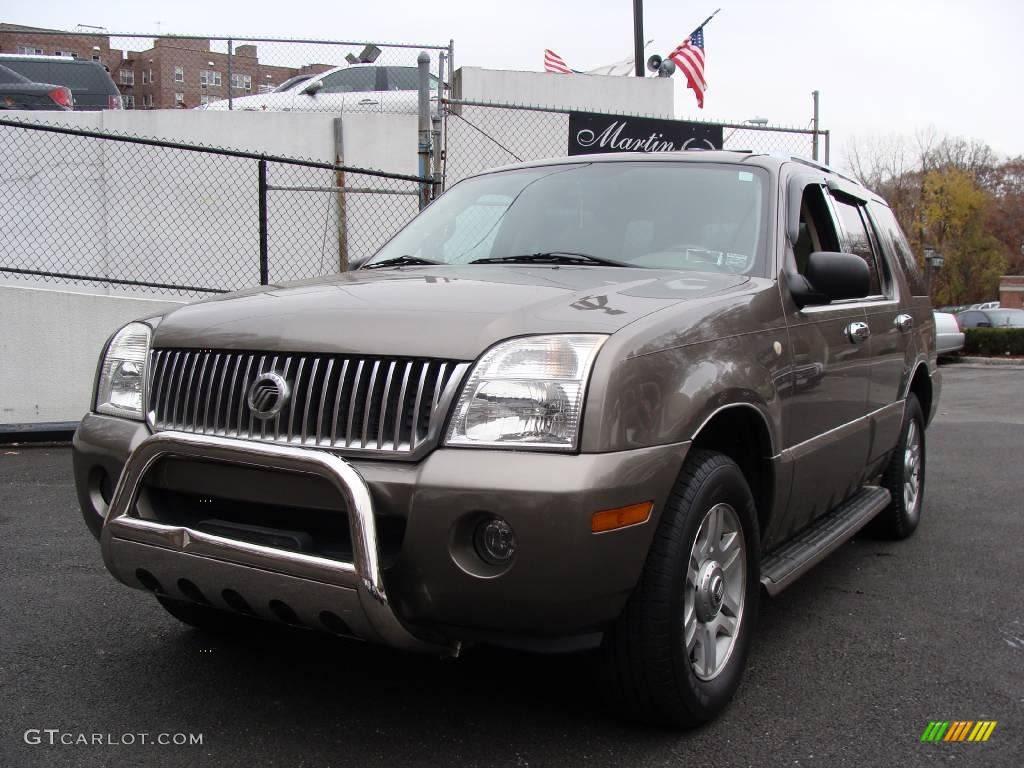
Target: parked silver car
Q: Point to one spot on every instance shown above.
(355, 88)
(948, 336)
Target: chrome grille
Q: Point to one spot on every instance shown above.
(386, 405)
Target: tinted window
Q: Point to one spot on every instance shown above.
(895, 242)
(971, 319)
(858, 241)
(10, 76)
(698, 216)
(406, 79)
(356, 80)
(80, 76)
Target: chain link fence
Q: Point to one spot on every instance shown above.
(228, 72)
(88, 208)
(479, 136)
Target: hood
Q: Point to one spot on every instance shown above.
(451, 312)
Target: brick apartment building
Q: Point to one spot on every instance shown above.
(176, 72)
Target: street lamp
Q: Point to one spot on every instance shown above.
(933, 261)
(758, 121)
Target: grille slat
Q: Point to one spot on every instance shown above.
(400, 417)
(387, 405)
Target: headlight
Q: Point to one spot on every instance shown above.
(526, 393)
(122, 384)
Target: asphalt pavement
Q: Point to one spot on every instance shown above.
(848, 667)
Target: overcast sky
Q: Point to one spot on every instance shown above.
(882, 66)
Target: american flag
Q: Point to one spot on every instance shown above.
(689, 57)
(555, 63)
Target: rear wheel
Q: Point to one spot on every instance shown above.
(904, 478)
(676, 655)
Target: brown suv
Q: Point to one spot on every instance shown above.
(599, 400)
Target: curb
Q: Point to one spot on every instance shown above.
(986, 362)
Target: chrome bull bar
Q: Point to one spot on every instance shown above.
(125, 539)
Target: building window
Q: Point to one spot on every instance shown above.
(242, 81)
(179, 74)
(127, 77)
(148, 100)
(24, 50)
(179, 99)
(145, 77)
(151, 76)
(209, 77)
(128, 101)
(68, 54)
(95, 57)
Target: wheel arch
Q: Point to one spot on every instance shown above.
(920, 385)
(723, 431)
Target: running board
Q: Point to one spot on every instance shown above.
(791, 561)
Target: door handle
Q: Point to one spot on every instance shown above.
(857, 332)
(904, 322)
(369, 101)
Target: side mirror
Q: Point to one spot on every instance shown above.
(829, 277)
(312, 88)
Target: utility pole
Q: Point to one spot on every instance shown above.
(638, 37)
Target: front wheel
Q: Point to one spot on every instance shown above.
(676, 655)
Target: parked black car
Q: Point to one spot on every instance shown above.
(18, 92)
(991, 318)
(88, 81)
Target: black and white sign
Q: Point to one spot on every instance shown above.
(590, 132)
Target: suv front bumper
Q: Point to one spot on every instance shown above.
(565, 580)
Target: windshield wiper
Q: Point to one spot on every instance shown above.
(398, 261)
(552, 257)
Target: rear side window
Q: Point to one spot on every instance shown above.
(895, 241)
(407, 79)
(858, 241)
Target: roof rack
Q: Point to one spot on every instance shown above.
(820, 167)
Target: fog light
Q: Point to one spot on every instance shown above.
(495, 541)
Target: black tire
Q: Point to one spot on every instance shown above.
(899, 520)
(646, 666)
(203, 617)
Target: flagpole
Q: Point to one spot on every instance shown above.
(638, 37)
(704, 23)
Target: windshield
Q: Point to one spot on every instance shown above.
(690, 216)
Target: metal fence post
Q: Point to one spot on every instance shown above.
(262, 193)
(828, 154)
(451, 68)
(231, 104)
(437, 120)
(814, 136)
(423, 64)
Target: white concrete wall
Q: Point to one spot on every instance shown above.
(160, 215)
(651, 96)
(50, 344)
